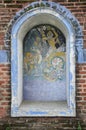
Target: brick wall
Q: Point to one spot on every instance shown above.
(8, 8)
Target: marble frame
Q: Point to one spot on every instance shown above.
(24, 22)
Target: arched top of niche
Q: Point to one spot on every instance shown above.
(64, 17)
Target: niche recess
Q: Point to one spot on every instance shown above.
(44, 62)
(44, 16)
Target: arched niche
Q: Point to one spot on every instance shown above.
(33, 15)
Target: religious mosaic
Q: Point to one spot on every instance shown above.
(44, 64)
(44, 53)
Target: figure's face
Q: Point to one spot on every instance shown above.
(50, 34)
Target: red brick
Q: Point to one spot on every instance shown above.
(2, 65)
(82, 94)
(82, 72)
(84, 76)
(1, 73)
(84, 68)
(79, 98)
(79, 85)
(84, 98)
(1, 82)
(84, 90)
(84, 85)
(5, 103)
(80, 81)
(4, 69)
(78, 76)
(79, 91)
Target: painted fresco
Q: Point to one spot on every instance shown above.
(44, 66)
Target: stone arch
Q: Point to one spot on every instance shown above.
(35, 14)
(63, 12)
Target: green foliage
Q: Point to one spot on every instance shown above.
(8, 128)
(79, 126)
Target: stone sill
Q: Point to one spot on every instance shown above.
(44, 109)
